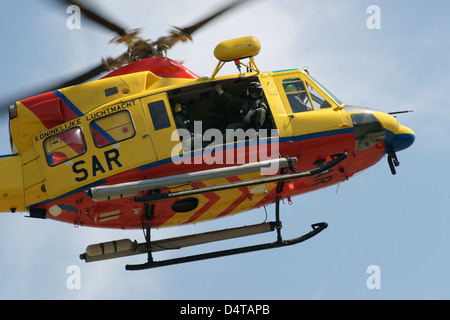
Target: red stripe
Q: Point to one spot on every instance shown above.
(50, 109)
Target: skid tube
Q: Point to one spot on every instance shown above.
(316, 228)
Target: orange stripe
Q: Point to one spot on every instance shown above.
(212, 197)
(238, 201)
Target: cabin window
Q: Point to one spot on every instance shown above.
(297, 95)
(159, 115)
(112, 128)
(111, 91)
(64, 146)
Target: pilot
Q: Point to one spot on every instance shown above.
(253, 107)
(295, 100)
(182, 120)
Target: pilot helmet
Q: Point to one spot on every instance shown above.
(254, 87)
(179, 106)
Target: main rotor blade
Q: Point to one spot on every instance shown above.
(198, 25)
(12, 99)
(96, 17)
(81, 78)
(182, 34)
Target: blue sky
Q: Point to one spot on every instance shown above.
(398, 223)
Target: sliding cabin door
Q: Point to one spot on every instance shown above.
(160, 125)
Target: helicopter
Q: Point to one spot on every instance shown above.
(107, 153)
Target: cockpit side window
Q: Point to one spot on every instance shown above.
(297, 95)
(302, 96)
(318, 101)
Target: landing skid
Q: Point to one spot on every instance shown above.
(122, 248)
(150, 264)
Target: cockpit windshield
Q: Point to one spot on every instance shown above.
(338, 101)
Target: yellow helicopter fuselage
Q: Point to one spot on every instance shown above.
(121, 130)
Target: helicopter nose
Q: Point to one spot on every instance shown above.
(398, 138)
(372, 127)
